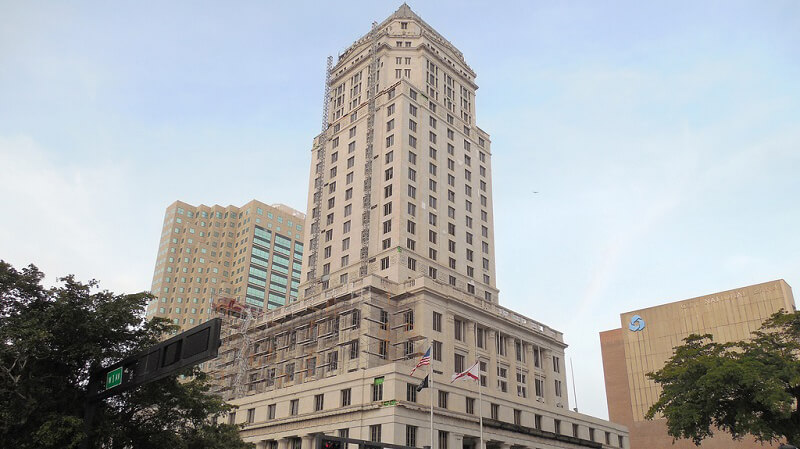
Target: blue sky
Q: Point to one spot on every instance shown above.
(663, 139)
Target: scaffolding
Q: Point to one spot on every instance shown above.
(360, 327)
(372, 94)
(322, 142)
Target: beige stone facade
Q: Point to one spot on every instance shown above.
(399, 259)
(629, 353)
(374, 329)
(402, 187)
(210, 254)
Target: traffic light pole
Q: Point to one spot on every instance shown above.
(189, 348)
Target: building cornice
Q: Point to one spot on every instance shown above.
(405, 12)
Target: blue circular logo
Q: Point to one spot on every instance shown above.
(637, 323)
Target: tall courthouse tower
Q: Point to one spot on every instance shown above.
(400, 181)
(399, 258)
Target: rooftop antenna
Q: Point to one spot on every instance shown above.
(574, 392)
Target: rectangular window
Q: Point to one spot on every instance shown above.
(271, 411)
(518, 351)
(319, 402)
(411, 392)
(377, 389)
(495, 410)
(522, 381)
(442, 399)
(437, 321)
(470, 406)
(502, 378)
(458, 363)
(411, 436)
(346, 397)
(443, 437)
(518, 417)
(375, 433)
(500, 341)
(437, 351)
(251, 415)
(294, 406)
(408, 320)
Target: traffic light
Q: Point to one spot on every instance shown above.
(330, 443)
(188, 348)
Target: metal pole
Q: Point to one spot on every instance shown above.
(88, 417)
(430, 379)
(480, 409)
(574, 391)
(480, 396)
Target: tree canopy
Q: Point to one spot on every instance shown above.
(51, 338)
(743, 387)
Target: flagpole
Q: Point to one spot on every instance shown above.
(480, 396)
(480, 406)
(430, 381)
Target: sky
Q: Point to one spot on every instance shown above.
(642, 153)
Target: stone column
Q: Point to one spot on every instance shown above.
(550, 377)
(307, 442)
(491, 366)
(455, 441)
(283, 443)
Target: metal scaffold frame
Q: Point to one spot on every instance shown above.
(319, 174)
(360, 328)
(372, 94)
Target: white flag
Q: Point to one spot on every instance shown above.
(473, 373)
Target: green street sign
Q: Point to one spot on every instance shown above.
(378, 381)
(114, 378)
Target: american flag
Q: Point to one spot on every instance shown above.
(425, 360)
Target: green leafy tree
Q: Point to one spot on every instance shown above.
(51, 338)
(744, 387)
